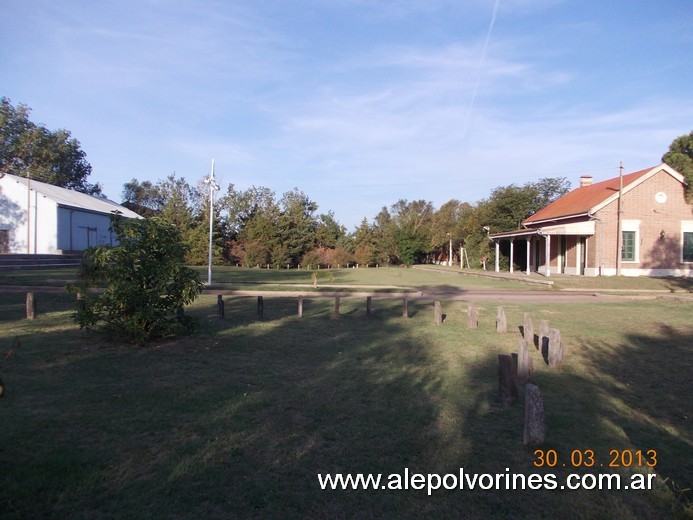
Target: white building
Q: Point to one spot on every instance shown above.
(40, 218)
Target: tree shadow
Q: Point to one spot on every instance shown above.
(240, 420)
(666, 254)
(11, 217)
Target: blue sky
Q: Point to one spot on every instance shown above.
(358, 103)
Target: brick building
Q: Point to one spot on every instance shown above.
(579, 233)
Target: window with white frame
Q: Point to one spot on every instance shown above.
(687, 241)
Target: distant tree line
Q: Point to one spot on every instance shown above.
(255, 227)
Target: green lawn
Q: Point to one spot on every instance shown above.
(239, 420)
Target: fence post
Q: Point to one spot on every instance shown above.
(437, 313)
(220, 307)
(405, 307)
(300, 306)
(534, 416)
(260, 308)
(507, 381)
(369, 307)
(30, 306)
(501, 321)
(335, 312)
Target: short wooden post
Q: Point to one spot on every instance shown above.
(437, 313)
(472, 317)
(260, 308)
(528, 328)
(534, 416)
(524, 363)
(405, 307)
(507, 382)
(555, 349)
(220, 307)
(300, 306)
(501, 321)
(369, 307)
(543, 333)
(30, 306)
(2, 388)
(335, 312)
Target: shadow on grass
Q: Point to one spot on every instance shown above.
(240, 420)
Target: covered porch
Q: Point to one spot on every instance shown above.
(561, 249)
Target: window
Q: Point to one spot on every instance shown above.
(628, 247)
(688, 246)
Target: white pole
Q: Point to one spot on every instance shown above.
(450, 259)
(212, 187)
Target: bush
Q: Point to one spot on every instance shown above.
(145, 282)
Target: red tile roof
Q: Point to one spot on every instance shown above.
(581, 200)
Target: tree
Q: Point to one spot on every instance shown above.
(680, 157)
(412, 221)
(28, 149)
(144, 280)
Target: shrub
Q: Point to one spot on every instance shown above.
(144, 280)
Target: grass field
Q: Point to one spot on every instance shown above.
(239, 420)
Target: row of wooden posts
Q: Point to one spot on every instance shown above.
(517, 369)
(335, 310)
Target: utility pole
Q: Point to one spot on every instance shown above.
(619, 223)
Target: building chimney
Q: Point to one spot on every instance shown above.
(585, 180)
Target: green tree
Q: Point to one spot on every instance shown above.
(28, 149)
(680, 157)
(144, 280)
(144, 198)
(411, 222)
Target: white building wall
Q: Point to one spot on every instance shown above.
(52, 228)
(79, 229)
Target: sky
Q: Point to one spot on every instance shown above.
(357, 103)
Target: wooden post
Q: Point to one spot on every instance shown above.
(335, 312)
(300, 306)
(2, 388)
(555, 354)
(507, 382)
(260, 308)
(220, 307)
(543, 334)
(30, 306)
(501, 321)
(524, 363)
(528, 328)
(437, 313)
(534, 416)
(369, 308)
(405, 307)
(472, 316)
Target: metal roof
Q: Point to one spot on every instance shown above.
(75, 199)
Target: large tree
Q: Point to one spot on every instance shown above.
(680, 157)
(30, 149)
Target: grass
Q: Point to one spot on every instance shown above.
(239, 420)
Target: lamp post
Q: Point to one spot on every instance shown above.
(213, 186)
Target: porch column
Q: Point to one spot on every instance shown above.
(512, 253)
(548, 254)
(528, 246)
(578, 256)
(497, 257)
